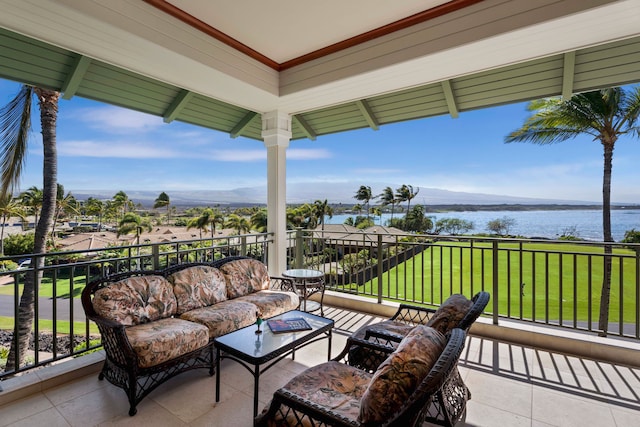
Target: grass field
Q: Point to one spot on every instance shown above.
(560, 281)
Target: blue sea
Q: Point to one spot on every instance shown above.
(540, 223)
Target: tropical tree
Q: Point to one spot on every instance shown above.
(239, 223)
(121, 203)
(97, 208)
(405, 194)
(605, 115)
(32, 200)
(208, 218)
(163, 201)
(15, 125)
(9, 207)
(133, 223)
(259, 220)
(321, 210)
(65, 204)
(364, 195)
(387, 197)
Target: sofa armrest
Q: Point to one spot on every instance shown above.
(413, 314)
(382, 336)
(115, 342)
(281, 284)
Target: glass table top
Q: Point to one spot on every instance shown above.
(303, 273)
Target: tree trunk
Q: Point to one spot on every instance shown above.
(48, 102)
(605, 293)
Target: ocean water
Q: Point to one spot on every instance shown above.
(540, 223)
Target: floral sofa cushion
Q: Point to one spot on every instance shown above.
(165, 339)
(223, 317)
(333, 385)
(398, 376)
(272, 303)
(450, 313)
(135, 300)
(197, 287)
(245, 276)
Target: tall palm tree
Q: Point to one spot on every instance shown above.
(122, 203)
(15, 124)
(259, 220)
(406, 193)
(238, 223)
(208, 217)
(387, 197)
(9, 207)
(364, 195)
(32, 199)
(321, 210)
(604, 114)
(65, 203)
(96, 207)
(163, 201)
(133, 223)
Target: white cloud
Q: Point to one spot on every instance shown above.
(308, 154)
(117, 120)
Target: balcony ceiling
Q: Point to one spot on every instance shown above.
(334, 65)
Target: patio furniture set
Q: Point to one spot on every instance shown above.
(399, 372)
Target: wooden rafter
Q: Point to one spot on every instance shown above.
(450, 98)
(242, 124)
(306, 127)
(368, 114)
(177, 105)
(568, 74)
(78, 70)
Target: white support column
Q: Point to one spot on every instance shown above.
(276, 133)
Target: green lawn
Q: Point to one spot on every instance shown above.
(456, 268)
(63, 287)
(62, 327)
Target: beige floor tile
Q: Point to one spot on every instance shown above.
(80, 387)
(23, 408)
(625, 417)
(234, 411)
(152, 415)
(499, 392)
(99, 406)
(483, 415)
(562, 409)
(49, 417)
(187, 396)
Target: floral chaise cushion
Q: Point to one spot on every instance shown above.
(165, 339)
(245, 276)
(197, 287)
(398, 376)
(136, 300)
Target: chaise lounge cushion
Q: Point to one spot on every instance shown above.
(245, 276)
(272, 303)
(136, 300)
(398, 376)
(223, 317)
(197, 287)
(335, 386)
(165, 339)
(450, 313)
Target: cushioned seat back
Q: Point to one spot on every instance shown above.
(450, 313)
(135, 300)
(245, 276)
(197, 287)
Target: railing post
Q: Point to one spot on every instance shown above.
(243, 245)
(299, 248)
(155, 252)
(380, 269)
(495, 296)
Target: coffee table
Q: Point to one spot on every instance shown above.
(253, 350)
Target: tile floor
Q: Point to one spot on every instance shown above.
(511, 386)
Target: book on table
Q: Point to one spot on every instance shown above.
(278, 326)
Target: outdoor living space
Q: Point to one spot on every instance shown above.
(511, 385)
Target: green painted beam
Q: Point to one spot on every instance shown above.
(568, 72)
(242, 124)
(179, 102)
(78, 70)
(450, 98)
(368, 114)
(306, 127)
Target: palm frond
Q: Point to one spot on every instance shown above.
(15, 125)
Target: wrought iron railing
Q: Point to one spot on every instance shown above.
(556, 283)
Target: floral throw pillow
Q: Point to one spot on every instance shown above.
(197, 287)
(400, 374)
(245, 276)
(450, 313)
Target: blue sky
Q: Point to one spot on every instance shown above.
(102, 147)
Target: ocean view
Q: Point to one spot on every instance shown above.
(540, 223)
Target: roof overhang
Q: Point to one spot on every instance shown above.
(486, 53)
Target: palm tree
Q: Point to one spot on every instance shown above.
(9, 207)
(322, 209)
(133, 223)
(96, 208)
(66, 204)
(604, 114)
(387, 197)
(406, 194)
(122, 203)
(364, 195)
(259, 220)
(238, 223)
(32, 199)
(163, 201)
(208, 217)
(15, 124)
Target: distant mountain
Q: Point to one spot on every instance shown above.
(309, 192)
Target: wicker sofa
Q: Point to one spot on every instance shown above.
(157, 324)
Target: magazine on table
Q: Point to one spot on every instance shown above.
(278, 326)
